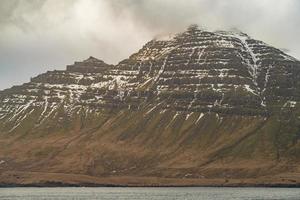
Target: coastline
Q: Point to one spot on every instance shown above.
(63, 185)
(38, 179)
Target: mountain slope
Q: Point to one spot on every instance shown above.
(201, 108)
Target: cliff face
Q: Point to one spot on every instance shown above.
(200, 106)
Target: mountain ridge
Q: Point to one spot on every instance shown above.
(200, 106)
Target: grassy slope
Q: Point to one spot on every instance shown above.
(154, 144)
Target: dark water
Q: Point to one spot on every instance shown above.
(150, 193)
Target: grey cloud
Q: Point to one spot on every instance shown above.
(40, 35)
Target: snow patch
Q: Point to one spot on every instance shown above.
(200, 116)
(290, 104)
(173, 119)
(188, 116)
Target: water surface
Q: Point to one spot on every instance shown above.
(192, 193)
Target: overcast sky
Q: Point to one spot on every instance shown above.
(41, 35)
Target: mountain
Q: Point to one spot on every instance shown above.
(201, 108)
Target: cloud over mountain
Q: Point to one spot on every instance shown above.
(46, 34)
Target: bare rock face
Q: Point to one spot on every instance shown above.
(196, 104)
(90, 65)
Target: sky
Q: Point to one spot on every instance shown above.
(41, 35)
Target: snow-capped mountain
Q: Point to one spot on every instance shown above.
(175, 109)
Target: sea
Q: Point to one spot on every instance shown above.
(144, 193)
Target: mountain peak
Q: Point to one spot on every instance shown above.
(193, 28)
(92, 59)
(91, 64)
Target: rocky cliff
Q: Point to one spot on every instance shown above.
(202, 108)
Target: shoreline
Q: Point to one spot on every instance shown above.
(92, 185)
(42, 179)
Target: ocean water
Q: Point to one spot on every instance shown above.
(189, 193)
